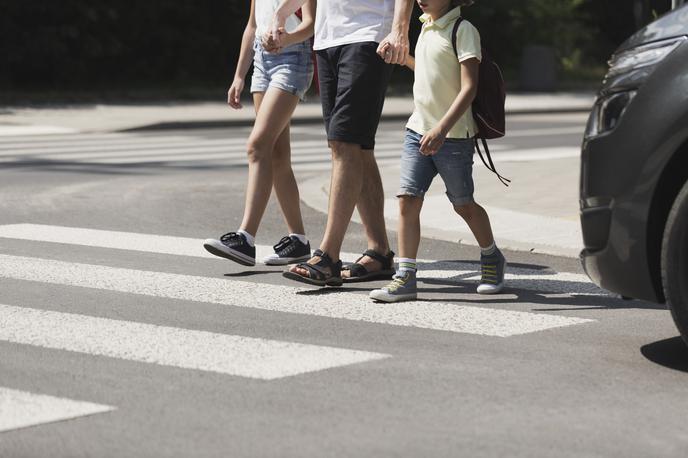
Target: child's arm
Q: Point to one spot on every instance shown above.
(302, 33)
(244, 63)
(434, 139)
(410, 62)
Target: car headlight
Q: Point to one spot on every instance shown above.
(607, 113)
(643, 56)
(628, 70)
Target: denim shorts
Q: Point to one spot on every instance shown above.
(454, 163)
(291, 70)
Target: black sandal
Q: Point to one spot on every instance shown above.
(317, 275)
(359, 272)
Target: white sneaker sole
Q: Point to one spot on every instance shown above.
(490, 289)
(219, 249)
(382, 296)
(274, 260)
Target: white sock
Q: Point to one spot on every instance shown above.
(302, 238)
(489, 250)
(249, 238)
(407, 265)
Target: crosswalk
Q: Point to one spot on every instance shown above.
(257, 357)
(309, 153)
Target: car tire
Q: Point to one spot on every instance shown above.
(675, 262)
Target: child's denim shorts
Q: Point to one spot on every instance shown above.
(291, 70)
(454, 163)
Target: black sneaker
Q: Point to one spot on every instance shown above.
(232, 246)
(289, 250)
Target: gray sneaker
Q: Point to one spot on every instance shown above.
(401, 288)
(492, 268)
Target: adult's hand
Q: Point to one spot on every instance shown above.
(394, 48)
(234, 93)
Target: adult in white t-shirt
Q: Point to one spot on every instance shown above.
(355, 41)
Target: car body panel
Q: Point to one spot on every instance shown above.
(621, 170)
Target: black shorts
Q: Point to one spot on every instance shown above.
(353, 81)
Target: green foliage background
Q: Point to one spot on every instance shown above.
(189, 47)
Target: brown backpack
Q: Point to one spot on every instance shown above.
(488, 106)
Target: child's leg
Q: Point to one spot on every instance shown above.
(274, 113)
(284, 182)
(409, 226)
(477, 220)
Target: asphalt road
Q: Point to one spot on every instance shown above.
(120, 337)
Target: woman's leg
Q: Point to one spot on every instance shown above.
(273, 115)
(284, 182)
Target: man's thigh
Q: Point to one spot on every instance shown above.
(362, 80)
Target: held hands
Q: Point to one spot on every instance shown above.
(234, 94)
(394, 48)
(274, 43)
(432, 141)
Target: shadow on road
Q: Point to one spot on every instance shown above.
(671, 353)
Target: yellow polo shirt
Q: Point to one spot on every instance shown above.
(438, 73)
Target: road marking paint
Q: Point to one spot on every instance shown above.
(334, 304)
(512, 133)
(538, 154)
(168, 346)
(531, 279)
(14, 131)
(21, 409)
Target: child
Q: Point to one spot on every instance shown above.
(439, 140)
(281, 78)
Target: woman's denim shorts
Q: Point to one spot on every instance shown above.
(291, 70)
(454, 163)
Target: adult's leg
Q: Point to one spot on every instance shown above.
(345, 186)
(276, 109)
(284, 182)
(371, 207)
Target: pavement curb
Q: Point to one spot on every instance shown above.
(314, 193)
(305, 120)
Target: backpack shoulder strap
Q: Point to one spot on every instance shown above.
(455, 31)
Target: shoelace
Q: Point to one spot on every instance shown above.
(489, 273)
(396, 283)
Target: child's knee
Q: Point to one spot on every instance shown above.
(466, 211)
(410, 205)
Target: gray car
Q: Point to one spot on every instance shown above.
(634, 175)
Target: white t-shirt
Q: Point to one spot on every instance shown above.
(341, 22)
(265, 10)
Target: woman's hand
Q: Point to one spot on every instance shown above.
(432, 141)
(234, 93)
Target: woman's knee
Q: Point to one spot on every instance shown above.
(258, 149)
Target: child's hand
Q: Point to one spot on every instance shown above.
(234, 94)
(274, 44)
(432, 141)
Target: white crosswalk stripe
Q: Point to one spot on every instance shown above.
(255, 357)
(21, 409)
(226, 354)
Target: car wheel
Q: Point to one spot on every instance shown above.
(675, 262)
